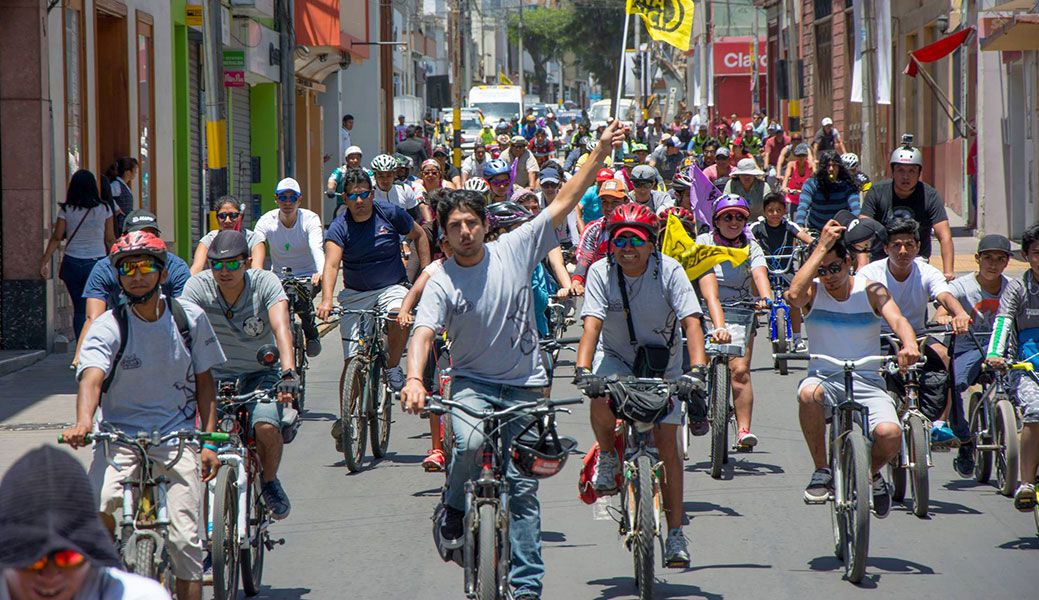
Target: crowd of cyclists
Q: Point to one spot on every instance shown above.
(467, 261)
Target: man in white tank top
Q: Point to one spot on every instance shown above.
(843, 315)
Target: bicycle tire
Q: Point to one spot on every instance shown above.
(447, 431)
(919, 444)
(719, 417)
(354, 423)
(381, 407)
(1035, 515)
(645, 525)
(837, 518)
(250, 556)
(487, 553)
(897, 476)
(979, 432)
(779, 345)
(225, 534)
(300, 351)
(1005, 436)
(144, 558)
(858, 482)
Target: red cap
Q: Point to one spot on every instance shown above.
(604, 174)
(638, 232)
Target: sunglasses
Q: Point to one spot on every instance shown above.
(358, 195)
(622, 242)
(63, 559)
(830, 269)
(287, 198)
(734, 217)
(128, 268)
(230, 265)
(431, 172)
(499, 181)
(643, 182)
(228, 216)
(549, 186)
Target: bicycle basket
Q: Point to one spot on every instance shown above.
(539, 452)
(636, 405)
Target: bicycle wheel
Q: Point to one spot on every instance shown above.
(446, 428)
(487, 553)
(897, 476)
(381, 407)
(1005, 437)
(779, 345)
(644, 526)
(251, 555)
(919, 442)
(838, 517)
(354, 421)
(719, 416)
(225, 534)
(144, 558)
(979, 433)
(857, 490)
(299, 345)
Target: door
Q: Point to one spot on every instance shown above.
(113, 83)
(240, 156)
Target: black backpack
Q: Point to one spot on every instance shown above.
(122, 317)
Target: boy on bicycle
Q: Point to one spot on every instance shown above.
(1018, 316)
(844, 313)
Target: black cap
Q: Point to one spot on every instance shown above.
(140, 219)
(227, 245)
(994, 241)
(47, 504)
(858, 230)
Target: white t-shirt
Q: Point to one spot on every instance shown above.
(106, 583)
(474, 168)
(923, 285)
(299, 248)
(403, 196)
(89, 241)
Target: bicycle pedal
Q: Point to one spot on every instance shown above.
(272, 543)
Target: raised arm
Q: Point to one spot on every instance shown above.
(572, 190)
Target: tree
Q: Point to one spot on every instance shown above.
(545, 34)
(594, 38)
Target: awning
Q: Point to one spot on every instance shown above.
(1019, 32)
(937, 50)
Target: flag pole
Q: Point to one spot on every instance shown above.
(620, 72)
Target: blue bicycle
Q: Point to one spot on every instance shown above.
(779, 330)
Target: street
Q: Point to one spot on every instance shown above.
(367, 536)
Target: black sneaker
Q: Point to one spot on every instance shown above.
(819, 488)
(527, 596)
(964, 461)
(881, 497)
(276, 499)
(451, 527)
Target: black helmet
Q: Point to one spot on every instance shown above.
(507, 214)
(539, 452)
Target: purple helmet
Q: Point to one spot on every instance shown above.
(731, 202)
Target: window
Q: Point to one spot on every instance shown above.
(145, 112)
(75, 111)
(823, 101)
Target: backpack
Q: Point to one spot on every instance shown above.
(122, 317)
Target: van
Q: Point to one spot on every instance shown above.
(603, 110)
(497, 102)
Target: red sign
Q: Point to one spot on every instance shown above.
(732, 56)
(234, 79)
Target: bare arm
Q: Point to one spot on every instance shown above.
(555, 260)
(95, 308)
(580, 218)
(413, 396)
(418, 236)
(960, 319)
(110, 233)
(198, 263)
(943, 232)
(279, 318)
(259, 254)
(205, 397)
(404, 316)
(761, 284)
(694, 340)
(709, 291)
(57, 235)
(572, 191)
(87, 399)
(333, 256)
(589, 339)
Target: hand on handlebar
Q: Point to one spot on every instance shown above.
(577, 289)
(960, 324)
(907, 357)
(288, 388)
(315, 279)
(413, 397)
(721, 335)
(563, 293)
(405, 319)
(76, 436)
(593, 386)
(996, 362)
(324, 309)
(210, 464)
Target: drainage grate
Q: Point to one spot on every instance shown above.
(35, 426)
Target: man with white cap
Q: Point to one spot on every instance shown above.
(643, 179)
(526, 166)
(828, 138)
(746, 180)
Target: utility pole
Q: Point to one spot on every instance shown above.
(702, 53)
(467, 43)
(642, 67)
(453, 23)
(216, 118)
(288, 90)
(793, 59)
(869, 92)
(523, 87)
(755, 67)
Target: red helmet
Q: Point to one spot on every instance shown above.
(138, 243)
(632, 218)
(683, 214)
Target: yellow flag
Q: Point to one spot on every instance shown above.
(503, 79)
(695, 258)
(669, 21)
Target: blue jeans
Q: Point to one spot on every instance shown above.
(966, 368)
(524, 509)
(75, 272)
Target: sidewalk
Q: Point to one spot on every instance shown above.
(39, 401)
(966, 244)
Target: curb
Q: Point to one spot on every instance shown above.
(21, 361)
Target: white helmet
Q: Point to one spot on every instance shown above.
(477, 184)
(907, 155)
(850, 160)
(384, 163)
(353, 150)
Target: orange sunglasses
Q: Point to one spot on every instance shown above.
(63, 559)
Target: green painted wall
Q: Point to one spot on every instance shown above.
(263, 103)
(181, 141)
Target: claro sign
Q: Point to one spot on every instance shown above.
(732, 56)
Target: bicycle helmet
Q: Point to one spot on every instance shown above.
(539, 451)
(907, 155)
(731, 202)
(681, 181)
(477, 184)
(683, 215)
(501, 215)
(632, 217)
(384, 163)
(496, 167)
(850, 160)
(139, 243)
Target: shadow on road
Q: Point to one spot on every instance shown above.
(737, 467)
(309, 415)
(964, 484)
(710, 507)
(884, 564)
(1024, 543)
(939, 507)
(284, 593)
(624, 587)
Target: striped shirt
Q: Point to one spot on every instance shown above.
(817, 207)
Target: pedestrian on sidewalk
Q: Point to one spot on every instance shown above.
(119, 175)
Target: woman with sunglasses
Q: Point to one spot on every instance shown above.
(726, 283)
(432, 179)
(498, 174)
(229, 216)
(55, 547)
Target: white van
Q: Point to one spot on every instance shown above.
(603, 110)
(497, 102)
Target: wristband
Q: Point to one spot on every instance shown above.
(208, 446)
(415, 378)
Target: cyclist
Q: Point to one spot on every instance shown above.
(248, 309)
(748, 182)
(557, 278)
(498, 174)
(473, 164)
(589, 208)
(294, 235)
(721, 170)
(476, 184)
(656, 300)
(525, 166)
(366, 241)
(451, 174)
(502, 218)
(167, 348)
(594, 242)
(403, 174)
(484, 293)
(830, 190)
(644, 179)
(542, 147)
(725, 283)
(844, 313)
(229, 216)
(351, 160)
(777, 236)
(685, 217)
(978, 293)
(388, 190)
(1018, 316)
(432, 179)
(851, 162)
(551, 179)
(796, 173)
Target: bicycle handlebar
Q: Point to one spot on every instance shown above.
(439, 405)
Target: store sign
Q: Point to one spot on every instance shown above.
(234, 68)
(733, 56)
(193, 15)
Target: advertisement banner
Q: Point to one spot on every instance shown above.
(733, 56)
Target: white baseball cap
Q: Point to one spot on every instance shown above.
(353, 150)
(287, 185)
(827, 121)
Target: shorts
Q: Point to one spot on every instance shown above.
(262, 412)
(350, 326)
(741, 325)
(183, 499)
(605, 365)
(1027, 395)
(869, 392)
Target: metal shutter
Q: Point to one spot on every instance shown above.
(239, 149)
(195, 117)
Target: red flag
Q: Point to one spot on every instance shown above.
(937, 50)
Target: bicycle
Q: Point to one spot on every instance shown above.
(298, 290)
(486, 554)
(365, 401)
(993, 422)
(720, 411)
(780, 331)
(914, 457)
(142, 534)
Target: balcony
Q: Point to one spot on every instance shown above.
(322, 45)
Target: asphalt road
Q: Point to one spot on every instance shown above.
(367, 535)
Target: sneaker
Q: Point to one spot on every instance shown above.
(337, 434)
(1024, 497)
(451, 527)
(800, 346)
(964, 461)
(818, 490)
(434, 462)
(746, 440)
(699, 427)
(395, 377)
(527, 596)
(943, 436)
(276, 499)
(207, 569)
(604, 480)
(313, 347)
(676, 549)
(881, 496)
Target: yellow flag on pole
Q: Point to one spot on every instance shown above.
(503, 79)
(669, 21)
(695, 258)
